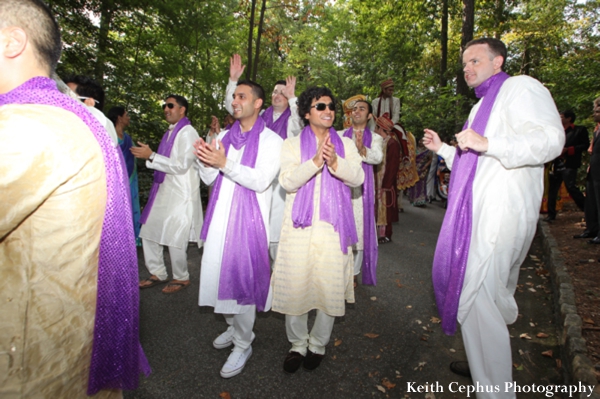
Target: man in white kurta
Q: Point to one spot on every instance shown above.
(523, 132)
(361, 114)
(282, 98)
(212, 161)
(176, 214)
(385, 103)
(311, 270)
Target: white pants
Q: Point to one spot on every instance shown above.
(296, 328)
(242, 325)
(273, 251)
(153, 255)
(358, 260)
(487, 342)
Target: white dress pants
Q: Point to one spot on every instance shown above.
(273, 251)
(153, 255)
(358, 260)
(296, 328)
(242, 325)
(487, 342)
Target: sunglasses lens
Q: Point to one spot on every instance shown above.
(331, 106)
(170, 105)
(321, 106)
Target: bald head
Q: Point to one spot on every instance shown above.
(38, 23)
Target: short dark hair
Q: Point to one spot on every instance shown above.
(180, 100)
(36, 19)
(257, 89)
(569, 114)
(280, 82)
(306, 98)
(114, 113)
(87, 87)
(496, 46)
(368, 105)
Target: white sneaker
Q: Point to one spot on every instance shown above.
(224, 340)
(235, 363)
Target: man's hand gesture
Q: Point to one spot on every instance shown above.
(236, 69)
(289, 91)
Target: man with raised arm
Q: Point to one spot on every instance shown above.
(369, 147)
(172, 216)
(235, 274)
(493, 209)
(69, 319)
(282, 118)
(314, 265)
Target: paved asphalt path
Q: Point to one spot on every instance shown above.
(404, 346)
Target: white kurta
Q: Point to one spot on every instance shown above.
(524, 131)
(373, 156)
(176, 216)
(258, 179)
(107, 123)
(294, 127)
(385, 104)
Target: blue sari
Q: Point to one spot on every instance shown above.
(126, 143)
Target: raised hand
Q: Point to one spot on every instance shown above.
(432, 140)
(359, 142)
(236, 69)
(289, 91)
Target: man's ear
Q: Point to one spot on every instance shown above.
(14, 41)
(497, 62)
(258, 103)
(369, 117)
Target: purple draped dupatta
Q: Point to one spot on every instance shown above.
(452, 250)
(245, 268)
(336, 198)
(117, 356)
(164, 148)
(369, 272)
(280, 125)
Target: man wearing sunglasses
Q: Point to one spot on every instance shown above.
(314, 264)
(369, 147)
(173, 214)
(241, 164)
(281, 117)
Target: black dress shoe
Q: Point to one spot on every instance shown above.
(292, 362)
(461, 368)
(312, 360)
(595, 240)
(585, 234)
(549, 218)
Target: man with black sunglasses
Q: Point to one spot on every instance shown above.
(173, 213)
(314, 265)
(281, 117)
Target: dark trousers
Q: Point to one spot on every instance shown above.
(569, 176)
(592, 206)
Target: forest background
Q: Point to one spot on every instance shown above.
(142, 50)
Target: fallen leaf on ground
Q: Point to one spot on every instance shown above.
(429, 395)
(532, 324)
(547, 353)
(532, 289)
(338, 342)
(542, 335)
(525, 336)
(378, 357)
(588, 320)
(373, 298)
(558, 363)
(398, 283)
(371, 335)
(334, 357)
(424, 337)
(435, 320)
(452, 350)
(386, 383)
(418, 321)
(533, 256)
(225, 395)
(409, 307)
(382, 389)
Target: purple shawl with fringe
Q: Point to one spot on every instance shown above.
(164, 148)
(245, 268)
(117, 356)
(280, 125)
(454, 241)
(335, 201)
(369, 271)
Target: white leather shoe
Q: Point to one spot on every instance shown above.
(235, 363)
(224, 340)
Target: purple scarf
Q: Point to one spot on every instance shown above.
(245, 268)
(369, 265)
(280, 125)
(452, 250)
(117, 356)
(335, 201)
(164, 148)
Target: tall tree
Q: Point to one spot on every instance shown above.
(250, 35)
(468, 26)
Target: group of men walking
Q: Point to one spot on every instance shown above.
(67, 249)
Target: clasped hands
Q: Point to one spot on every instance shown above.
(326, 154)
(212, 154)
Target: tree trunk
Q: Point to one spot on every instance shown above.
(260, 28)
(499, 19)
(444, 44)
(250, 34)
(467, 35)
(106, 15)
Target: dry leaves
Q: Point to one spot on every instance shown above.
(373, 298)
(524, 336)
(386, 383)
(398, 283)
(371, 335)
(547, 353)
(338, 342)
(225, 395)
(379, 387)
(589, 321)
(542, 335)
(435, 320)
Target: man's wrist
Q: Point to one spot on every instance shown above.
(151, 157)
